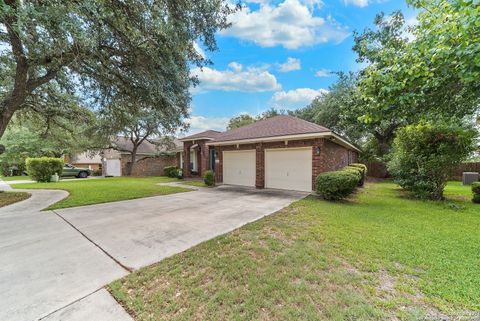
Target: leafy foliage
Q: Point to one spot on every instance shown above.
(41, 169)
(59, 131)
(99, 49)
(413, 73)
(170, 171)
(209, 178)
(246, 119)
(476, 192)
(337, 185)
(138, 123)
(423, 156)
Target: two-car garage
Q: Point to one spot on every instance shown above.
(285, 168)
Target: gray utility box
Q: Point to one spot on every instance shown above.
(470, 177)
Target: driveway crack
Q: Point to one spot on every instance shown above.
(126, 268)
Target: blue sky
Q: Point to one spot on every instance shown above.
(280, 54)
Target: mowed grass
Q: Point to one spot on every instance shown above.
(7, 198)
(15, 178)
(195, 183)
(104, 190)
(377, 256)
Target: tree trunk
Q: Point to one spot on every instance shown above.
(132, 160)
(4, 120)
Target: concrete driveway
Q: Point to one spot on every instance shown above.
(55, 263)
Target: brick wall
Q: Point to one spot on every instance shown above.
(151, 166)
(334, 156)
(331, 157)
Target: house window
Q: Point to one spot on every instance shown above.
(193, 161)
(181, 160)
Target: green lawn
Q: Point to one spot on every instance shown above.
(195, 183)
(378, 256)
(15, 178)
(104, 190)
(7, 198)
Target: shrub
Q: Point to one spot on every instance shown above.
(476, 198)
(41, 169)
(476, 188)
(423, 156)
(362, 166)
(476, 192)
(357, 171)
(170, 171)
(337, 185)
(209, 178)
(180, 174)
(363, 172)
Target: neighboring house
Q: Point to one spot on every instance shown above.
(89, 160)
(282, 152)
(150, 159)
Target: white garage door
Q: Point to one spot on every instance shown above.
(113, 167)
(239, 167)
(289, 168)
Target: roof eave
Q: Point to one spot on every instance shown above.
(187, 139)
(336, 137)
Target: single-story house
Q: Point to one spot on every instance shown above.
(150, 160)
(282, 152)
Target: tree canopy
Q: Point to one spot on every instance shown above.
(246, 119)
(53, 133)
(425, 72)
(96, 50)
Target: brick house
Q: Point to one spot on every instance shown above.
(150, 159)
(282, 152)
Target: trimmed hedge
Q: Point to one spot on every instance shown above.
(170, 171)
(337, 185)
(476, 192)
(209, 178)
(363, 171)
(362, 166)
(41, 169)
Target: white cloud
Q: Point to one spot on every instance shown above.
(235, 78)
(201, 123)
(290, 65)
(323, 73)
(291, 24)
(296, 98)
(199, 50)
(358, 3)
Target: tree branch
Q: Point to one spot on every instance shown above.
(36, 82)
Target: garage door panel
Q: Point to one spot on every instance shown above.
(239, 167)
(289, 169)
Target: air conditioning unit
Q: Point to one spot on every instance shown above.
(470, 177)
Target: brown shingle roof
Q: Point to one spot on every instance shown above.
(282, 125)
(211, 134)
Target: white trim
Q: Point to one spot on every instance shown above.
(345, 142)
(193, 139)
(193, 161)
(269, 139)
(286, 137)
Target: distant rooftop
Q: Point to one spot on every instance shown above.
(208, 134)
